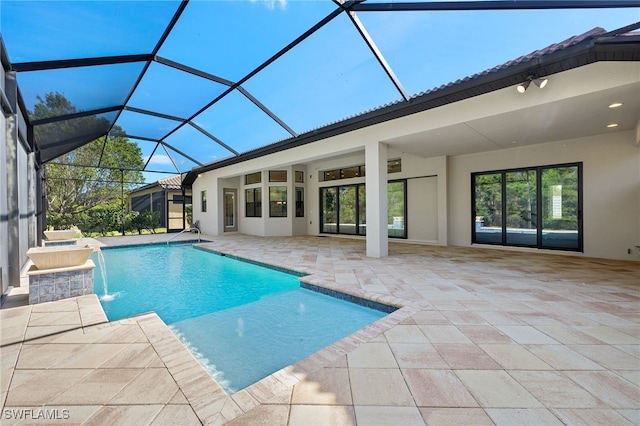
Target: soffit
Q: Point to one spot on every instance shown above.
(578, 114)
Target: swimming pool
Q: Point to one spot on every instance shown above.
(242, 321)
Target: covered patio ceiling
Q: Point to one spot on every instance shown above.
(202, 83)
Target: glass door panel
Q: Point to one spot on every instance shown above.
(521, 208)
(561, 208)
(329, 203)
(396, 209)
(362, 213)
(488, 208)
(348, 211)
(230, 210)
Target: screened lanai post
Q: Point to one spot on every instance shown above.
(184, 206)
(122, 195)
(376, 199)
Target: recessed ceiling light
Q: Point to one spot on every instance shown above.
(612, 125)
(615, 105)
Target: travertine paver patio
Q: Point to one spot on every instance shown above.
(483, 337)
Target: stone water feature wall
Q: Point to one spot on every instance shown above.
(62, 283)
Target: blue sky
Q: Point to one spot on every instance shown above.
(329, 76)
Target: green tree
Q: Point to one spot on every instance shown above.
(395, 191)
(75, 182)
(561, 181)
(488, 198)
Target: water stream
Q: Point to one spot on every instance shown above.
(105, 285)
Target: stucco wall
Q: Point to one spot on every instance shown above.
(439, 191)
(611, 172)
(209, 219)
(422, 214)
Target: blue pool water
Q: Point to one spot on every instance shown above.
(242, 321)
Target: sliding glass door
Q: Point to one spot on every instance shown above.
(344, 209)
(530, 207)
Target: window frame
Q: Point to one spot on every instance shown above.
(358, 171)
(539, 207)
(284, 206)
(299, 207)
(250, 176)
(273, 176)
(203, 201)
(256, 206)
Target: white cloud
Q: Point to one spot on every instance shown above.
(271, 4)
(159, 159)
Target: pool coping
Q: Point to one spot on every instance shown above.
(210, 402)
(164, 243)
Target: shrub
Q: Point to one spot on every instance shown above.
(146, 220)
(100, 219)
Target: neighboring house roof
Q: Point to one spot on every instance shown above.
(592, 46)
(171, 183)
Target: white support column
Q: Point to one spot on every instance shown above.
(377, 200)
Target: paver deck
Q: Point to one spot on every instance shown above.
(482, 336)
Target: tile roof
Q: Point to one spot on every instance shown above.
(171, 182)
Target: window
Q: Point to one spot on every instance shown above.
(177, 199)
(141, 203)
(299, 202)
(299, 177)
(277, 175)
(203, 201)
(350, 172)
(393, 166)
(343, 209)
(277, 201)
(331, 175)
(253, 178)
(344, 173)
(531, 207)
(253, 202)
